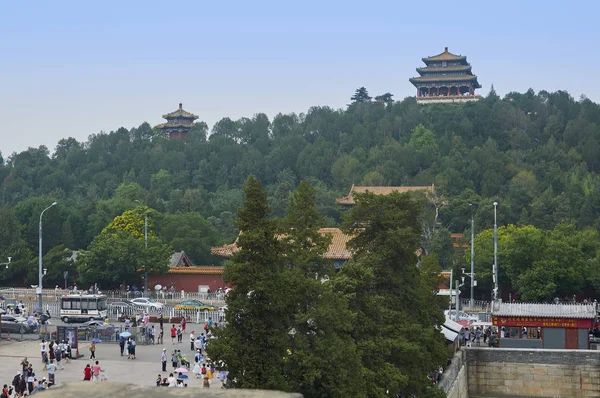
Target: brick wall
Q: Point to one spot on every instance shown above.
(533, 373)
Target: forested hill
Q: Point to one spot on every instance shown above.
(538, 155)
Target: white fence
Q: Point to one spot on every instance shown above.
(216, 299)
(478, 305)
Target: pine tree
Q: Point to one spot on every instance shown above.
(322, 358)
(361, 95)
(395, 307)
(253, 343)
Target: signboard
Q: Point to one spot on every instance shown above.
(542, 322)
(68, 333)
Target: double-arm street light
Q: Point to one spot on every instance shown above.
(40, 270)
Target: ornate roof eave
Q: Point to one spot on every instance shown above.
(444, 78)
(337, 250)
(461, 68)
(175, 125)
(444, 56)
(180, 113)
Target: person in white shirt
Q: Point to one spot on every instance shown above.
(172, 380)
(192, 340)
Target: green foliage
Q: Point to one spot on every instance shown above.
(394, 301)
(535, 153)
(360, 95)
(255, 339)
(120, 253)
(539, 265)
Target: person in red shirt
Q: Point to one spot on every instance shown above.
(87, 372)
(173, 334)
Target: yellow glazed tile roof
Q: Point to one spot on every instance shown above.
(337, 250)
(349, 200)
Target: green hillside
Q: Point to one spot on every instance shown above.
(537, 154)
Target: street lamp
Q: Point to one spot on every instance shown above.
(472, 275)
(495, 253)
(145, 247)
(8, 263)
(41, 272)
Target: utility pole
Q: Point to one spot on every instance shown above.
(472, 256)
(40, 270)
(450, 305)
(146, 248)
(495, 253)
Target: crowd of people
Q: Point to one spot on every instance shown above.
(54, 355)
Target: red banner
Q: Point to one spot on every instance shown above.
(542, 322)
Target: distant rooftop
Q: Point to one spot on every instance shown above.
(349, 200)
(582, 311)
(337, 250)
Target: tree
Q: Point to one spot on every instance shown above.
(322, 359)
(394, 305)
(385, 98)
(191, 233)
(255, 339)
(360, 95)
(539, 265)
(119, 253)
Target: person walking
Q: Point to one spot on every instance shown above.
(93, 350)
(192, 340)
(173, 334)
(51, 372)
(133, 344)
(174, 359)
(43, 351)
(196, 368)
(122, 344)
(179, 334)
(96, 369)
(163, 359)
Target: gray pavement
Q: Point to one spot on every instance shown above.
(142, 371)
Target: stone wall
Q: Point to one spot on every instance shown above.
(454, 379)
(533, 373)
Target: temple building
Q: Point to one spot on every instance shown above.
(178, 123)
(349, 200)
(184, 275)
(337, 251)
(446, 77)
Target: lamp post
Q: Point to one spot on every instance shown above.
(146, 248)
(40, 270)
(8, 263)
(495, 253)
(472, 256)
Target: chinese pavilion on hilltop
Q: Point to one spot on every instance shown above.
(445, 78)
(178, 123)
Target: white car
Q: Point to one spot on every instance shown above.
(147, 303)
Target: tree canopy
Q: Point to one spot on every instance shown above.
(535, 153)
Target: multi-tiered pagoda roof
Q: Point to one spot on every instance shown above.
(178, 123)
(446, 77)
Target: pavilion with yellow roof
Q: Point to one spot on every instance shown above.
(446, 77)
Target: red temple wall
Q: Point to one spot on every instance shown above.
(187, 282)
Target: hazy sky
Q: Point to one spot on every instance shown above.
(73, 68)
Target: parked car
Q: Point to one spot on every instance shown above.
(462, 316)
(98, 328)
(193, 304)
(146, 303)
(15, 324)
(122, 305)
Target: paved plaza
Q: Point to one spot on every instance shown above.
(142, 371)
